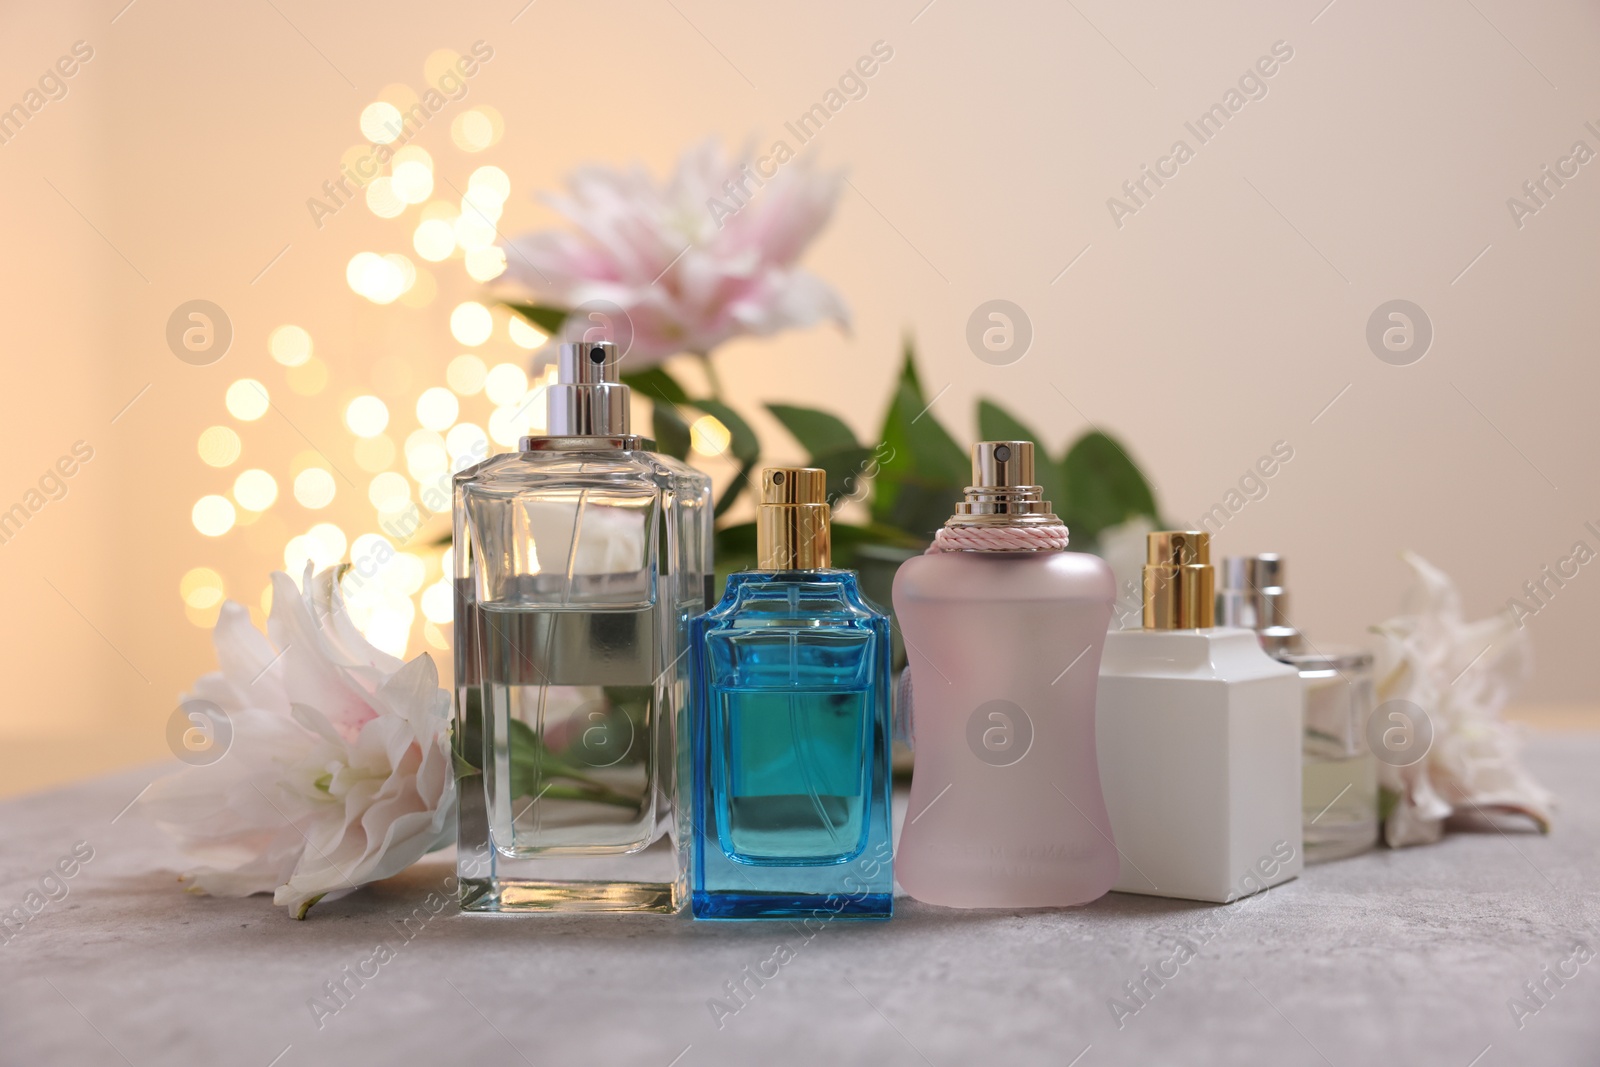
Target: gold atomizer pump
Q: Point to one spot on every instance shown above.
(1179, 581)
(793, 531)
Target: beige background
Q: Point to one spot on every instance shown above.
(1223, 317)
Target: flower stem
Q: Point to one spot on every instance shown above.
(713, 383)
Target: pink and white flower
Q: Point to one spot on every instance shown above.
(339, 768)
(1461, 674)
(709, 256)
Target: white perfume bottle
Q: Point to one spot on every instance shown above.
(1199, 741)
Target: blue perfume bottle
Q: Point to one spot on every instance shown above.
(790, 728)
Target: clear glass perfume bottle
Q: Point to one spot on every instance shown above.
(792, 728)
(1004, 634)
(1340, 778)
(580, 560)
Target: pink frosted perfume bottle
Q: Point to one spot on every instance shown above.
(1003, 630)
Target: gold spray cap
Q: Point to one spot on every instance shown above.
(1179, 581)
(792, 520)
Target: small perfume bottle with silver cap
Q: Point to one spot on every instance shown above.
(1199, 738)
(791, 728)
(580, 559)
(1340, 778)
(1003, 631)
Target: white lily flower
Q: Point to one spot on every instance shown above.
(338, 772)
(1461, 674)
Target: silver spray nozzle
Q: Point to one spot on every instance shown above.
(588, 398)
(1003, 492)
(1252, 594)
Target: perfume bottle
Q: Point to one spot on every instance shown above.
(579, 561)
(1003, 630)
(791, 728)
(1340, 776)
(1199, 739)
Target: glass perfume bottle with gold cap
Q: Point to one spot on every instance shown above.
(1199, 740)
(791, 728)
(580, 559)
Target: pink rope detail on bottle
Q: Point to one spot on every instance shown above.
(999, 539)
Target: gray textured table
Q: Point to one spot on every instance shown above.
(1387, 959)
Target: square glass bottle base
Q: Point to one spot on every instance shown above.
(492, 882)
(498, 895)
(653, 880)
(792, 906)
(861, 888)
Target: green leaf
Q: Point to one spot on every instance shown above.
(657, 384)
(742, 444)
(995, 423)
(467, 737)
(817, 431)
(1388, 800)
(532, 763)
(736, 545)
(525, 755)
(1103, 487)
(735, 551)
(849, 535)
(667, 424)
(670, 430)
(830, 445)
(738, 540)
(548, 319)
(847, 469)
(921, 469)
